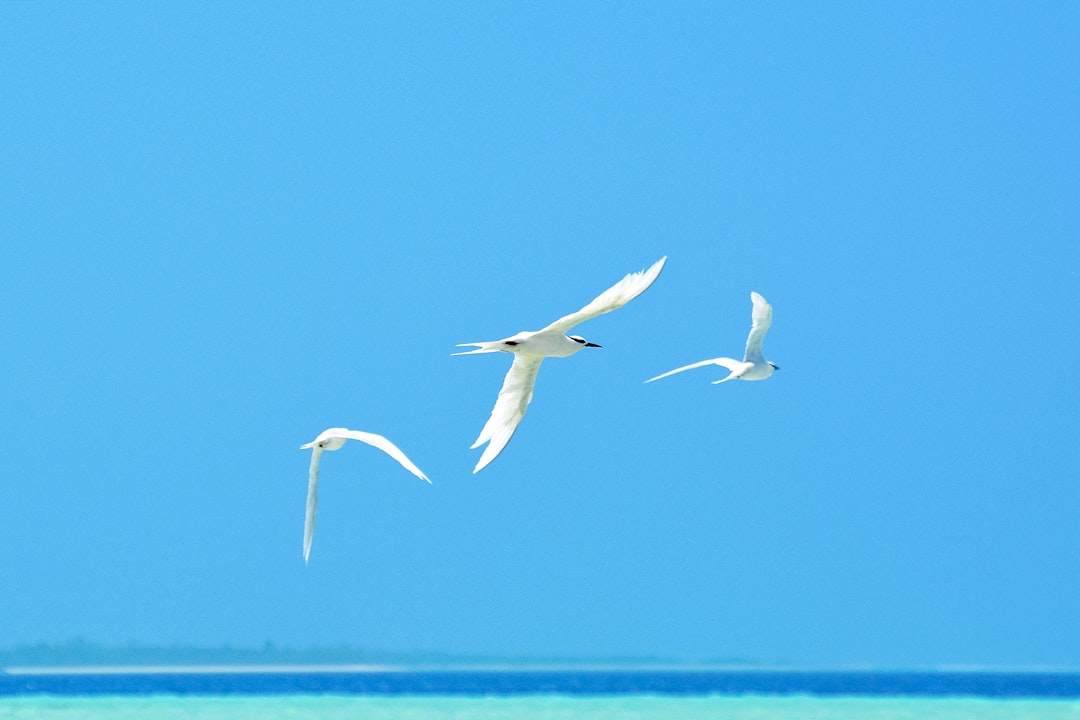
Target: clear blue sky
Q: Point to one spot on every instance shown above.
(228, 226)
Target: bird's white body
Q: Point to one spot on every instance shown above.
(753, 366)
(530, 349)
(540, 343)
(333, 439)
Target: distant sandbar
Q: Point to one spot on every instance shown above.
(192, 669)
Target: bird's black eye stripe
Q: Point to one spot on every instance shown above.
(510, 342)
(578, 340)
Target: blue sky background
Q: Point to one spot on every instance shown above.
(228, 226)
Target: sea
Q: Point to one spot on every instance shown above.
(377, 694)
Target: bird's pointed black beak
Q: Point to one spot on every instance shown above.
(589, 344)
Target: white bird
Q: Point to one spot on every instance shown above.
(333, 439)
(530, 349)
(754, 366)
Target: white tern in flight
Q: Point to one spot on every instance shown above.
(530, 349)
(333, 439)
(754, 366)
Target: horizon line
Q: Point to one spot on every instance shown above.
(512, 667)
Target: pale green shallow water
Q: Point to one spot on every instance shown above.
(538, 707)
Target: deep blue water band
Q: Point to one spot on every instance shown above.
(926, 684)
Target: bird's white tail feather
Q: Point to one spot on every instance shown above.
(481, 347)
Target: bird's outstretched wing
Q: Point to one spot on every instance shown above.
(340, 435)
(312, 500)
(613, 298)
(514, 398)
(387, 447)
(762, 319)
(730, 363)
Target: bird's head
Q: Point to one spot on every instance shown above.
(329, 443)
(581, 341)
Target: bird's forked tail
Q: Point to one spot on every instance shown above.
(481, 347)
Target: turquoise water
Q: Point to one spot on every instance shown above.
(532, 707)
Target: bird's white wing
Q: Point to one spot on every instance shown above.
(613, 298)
(762, 319)
(312, 500)
(730, 363)
(387, 447)
(514, 398)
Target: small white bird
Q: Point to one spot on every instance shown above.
(530, 349)
(333, 439)
(754, 366)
